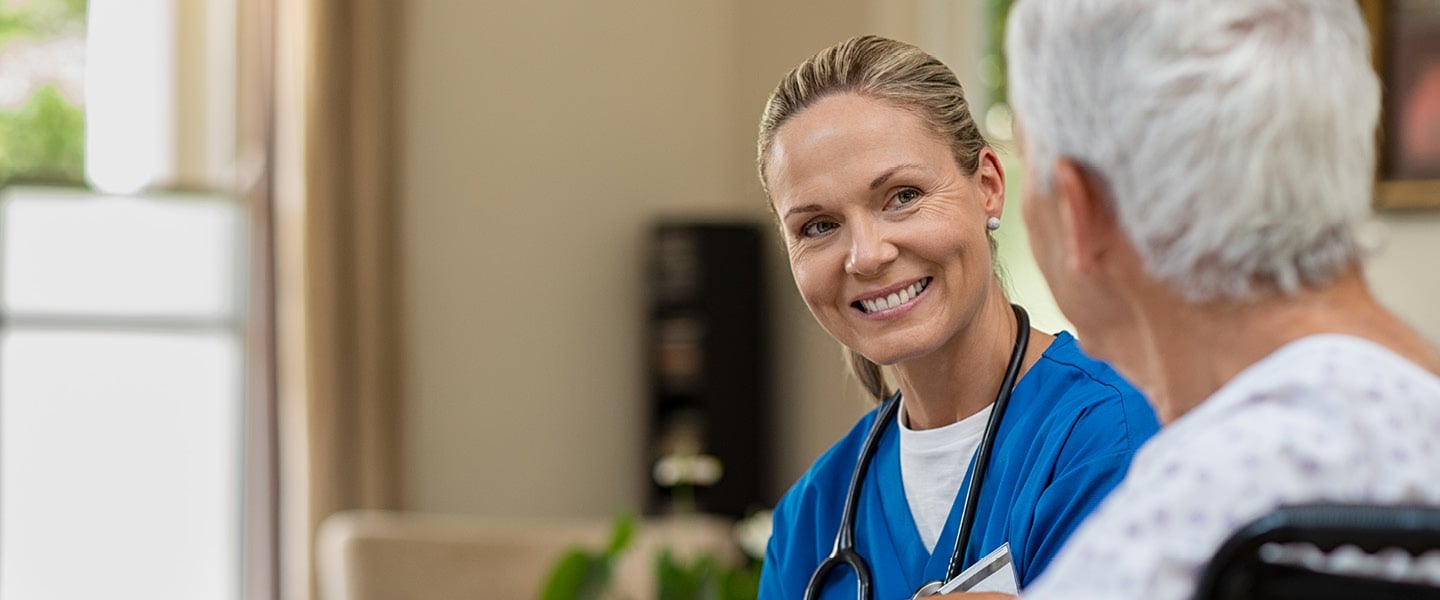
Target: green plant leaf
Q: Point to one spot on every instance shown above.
(585, 575)
(566, 576)
(580, 574)
(620, 535)
(577, 575)
(741, 584)
(675, 581)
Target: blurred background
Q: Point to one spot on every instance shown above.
(267, 261)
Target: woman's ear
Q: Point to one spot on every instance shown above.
(1091, 225)
(990, 175)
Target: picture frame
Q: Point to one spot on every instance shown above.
(1405, 49)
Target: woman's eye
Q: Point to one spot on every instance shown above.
(904, 197)
(815, 228)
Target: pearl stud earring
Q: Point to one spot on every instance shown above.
(992, 223)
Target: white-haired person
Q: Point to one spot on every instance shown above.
(1197, 173)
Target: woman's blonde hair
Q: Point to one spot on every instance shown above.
(885, 69)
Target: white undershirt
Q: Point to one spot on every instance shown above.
(933, 463)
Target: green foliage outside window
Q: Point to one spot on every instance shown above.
(39, 17)
(44, 137)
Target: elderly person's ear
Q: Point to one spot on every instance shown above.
(1091, 227)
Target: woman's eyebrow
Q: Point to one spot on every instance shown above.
(879, 181)
(808, 208)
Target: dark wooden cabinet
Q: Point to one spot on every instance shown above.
(708, 359)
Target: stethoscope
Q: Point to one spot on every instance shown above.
(844, 552)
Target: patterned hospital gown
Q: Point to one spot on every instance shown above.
(1327, 417)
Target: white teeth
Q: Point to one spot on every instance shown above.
(896, 299)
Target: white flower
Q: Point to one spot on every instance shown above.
(688, 469)
(753, 533)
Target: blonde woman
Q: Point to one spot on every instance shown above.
(887, 195)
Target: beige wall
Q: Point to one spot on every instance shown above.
(1403, 273)
(815, 402)
(540, 140)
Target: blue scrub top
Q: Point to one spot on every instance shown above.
(1066, 439)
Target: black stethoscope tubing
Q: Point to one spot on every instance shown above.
(843, 552)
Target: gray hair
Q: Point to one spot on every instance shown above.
(1236, 137)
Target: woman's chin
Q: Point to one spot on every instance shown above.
(891, 356)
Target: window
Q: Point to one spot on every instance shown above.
(122, 315)
(120, 383)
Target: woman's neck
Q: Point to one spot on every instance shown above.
(963, 376)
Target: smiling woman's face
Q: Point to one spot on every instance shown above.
(886, 235)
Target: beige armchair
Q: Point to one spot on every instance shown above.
(384, 555)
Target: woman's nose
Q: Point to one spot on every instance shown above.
(870, 250)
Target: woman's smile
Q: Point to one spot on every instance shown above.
(885, 231)
(893, 301)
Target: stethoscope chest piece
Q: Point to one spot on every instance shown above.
(928, 590)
